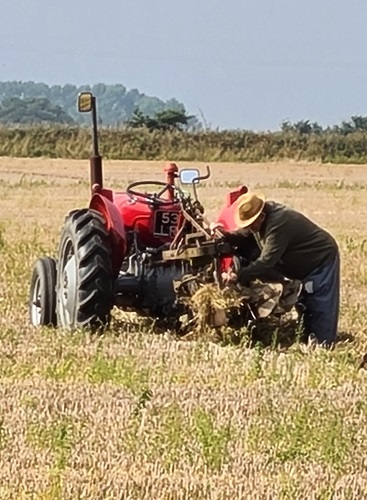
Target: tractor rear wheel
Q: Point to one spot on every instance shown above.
(42, 296)
(84, 281)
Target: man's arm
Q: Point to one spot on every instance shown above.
(236, 238)
(276, 242)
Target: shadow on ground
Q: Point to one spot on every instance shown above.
(266, 333)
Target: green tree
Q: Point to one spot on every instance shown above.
(115, 103)
(355, 124)
(164, 120)
(302, 127)
(32, 110)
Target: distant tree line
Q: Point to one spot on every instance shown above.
(355, 124)
(37, 103)
(30, 102)
(31, 111)
(39, 120)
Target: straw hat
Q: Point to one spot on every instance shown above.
(248, 208)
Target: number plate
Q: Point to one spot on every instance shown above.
(165, 223)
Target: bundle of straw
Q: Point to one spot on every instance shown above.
(212, 307)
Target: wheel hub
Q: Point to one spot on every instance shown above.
(67, 295)
(36, 304)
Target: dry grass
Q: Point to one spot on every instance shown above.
(140, 415)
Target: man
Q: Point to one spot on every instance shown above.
(294, 246)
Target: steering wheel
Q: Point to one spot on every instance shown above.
(149, 198)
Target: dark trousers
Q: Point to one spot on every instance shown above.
(320, 298)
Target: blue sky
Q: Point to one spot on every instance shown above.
(237, 63)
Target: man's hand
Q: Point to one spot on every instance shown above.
(229, 278)
(215, 226)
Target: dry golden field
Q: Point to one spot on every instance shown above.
(141, 415)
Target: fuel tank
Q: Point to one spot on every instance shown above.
(154, 224)
(248, 250)
(226, 215)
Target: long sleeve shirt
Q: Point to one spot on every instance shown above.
(289, 242)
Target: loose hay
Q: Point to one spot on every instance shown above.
(216, 313)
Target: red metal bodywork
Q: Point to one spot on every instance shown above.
(226, 215)
(124, 213)
(103, 202)
(226, 219)
(140, 217)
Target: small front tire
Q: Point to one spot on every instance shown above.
(42, 296)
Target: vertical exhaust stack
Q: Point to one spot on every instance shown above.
(87, 104)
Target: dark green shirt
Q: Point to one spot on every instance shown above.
(289, 243)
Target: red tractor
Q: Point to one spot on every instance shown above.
(137, 249)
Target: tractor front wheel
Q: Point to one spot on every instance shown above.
(84, 281)
(42, 296)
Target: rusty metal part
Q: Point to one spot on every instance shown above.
(96, 176)
(188, 253)
(171, 171)
(192, 251)
(96, 171)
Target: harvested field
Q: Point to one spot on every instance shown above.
(139, 415)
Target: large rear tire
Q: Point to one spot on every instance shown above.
(84, 281)
(42, 296)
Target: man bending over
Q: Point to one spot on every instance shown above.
(296, 247)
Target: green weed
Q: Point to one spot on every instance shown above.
(119, 371)
(311, 432)
(213, 439)
(57, 438)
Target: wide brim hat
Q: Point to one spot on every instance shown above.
(248, 208)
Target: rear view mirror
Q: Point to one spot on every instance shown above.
(85, 102)
(188, 175)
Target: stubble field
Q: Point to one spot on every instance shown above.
(141, 415)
